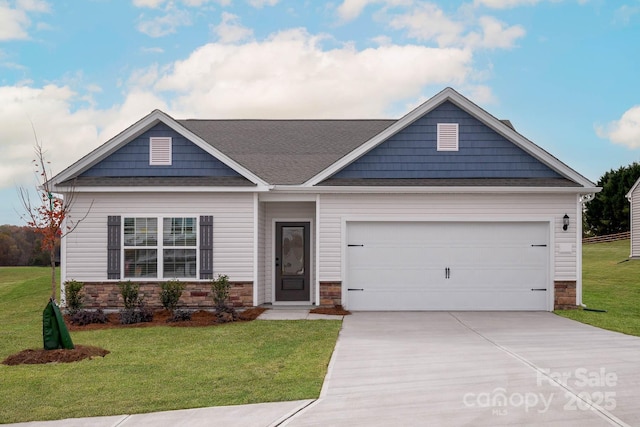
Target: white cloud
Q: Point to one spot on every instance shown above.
(262, 3)
(349, 10)
(33, 6)
(625, 131)
(505, 4)
(168, 23)
(427, 22)
(66, 133)
(495, 34)
(290, 75)
(13, 23)
(155, 4)
(230, 30)
(152, 4)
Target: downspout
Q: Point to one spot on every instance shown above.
(583, 199)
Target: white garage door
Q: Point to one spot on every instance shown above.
(447, 266)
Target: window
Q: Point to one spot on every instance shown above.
(166, 252)
(447, 136)
(160, 151)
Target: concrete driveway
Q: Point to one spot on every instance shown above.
(449, 369)
(471, 368)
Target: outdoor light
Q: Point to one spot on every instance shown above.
(565, 222)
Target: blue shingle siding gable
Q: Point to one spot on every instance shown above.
(132, 160)
(412, 153)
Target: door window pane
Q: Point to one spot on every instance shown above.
(293, 250)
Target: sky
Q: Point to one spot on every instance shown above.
(74, 73)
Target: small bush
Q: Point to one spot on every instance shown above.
(170, 294)
(74, 296)
(220, 291)
(180, 316)
(130, 294)
(86, 317)
(138, 314)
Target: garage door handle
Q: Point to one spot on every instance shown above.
(539, 289)
(355, 289)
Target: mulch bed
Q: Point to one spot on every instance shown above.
(80, 352)
(36, 357)
(336, 310)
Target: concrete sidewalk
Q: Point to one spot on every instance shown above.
(450, 369)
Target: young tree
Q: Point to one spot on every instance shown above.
(49, 216)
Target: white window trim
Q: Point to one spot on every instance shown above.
(160, 151)
(159, 248)
(448, 142)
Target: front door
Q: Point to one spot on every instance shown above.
(292, 261)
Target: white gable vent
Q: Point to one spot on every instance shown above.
(160, 151)
(447, 136)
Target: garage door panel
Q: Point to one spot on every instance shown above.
(447, 266)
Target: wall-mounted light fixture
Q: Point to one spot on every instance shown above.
(565, 222)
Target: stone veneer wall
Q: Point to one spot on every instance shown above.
(196, 295)
(330, 294)
(565, 295)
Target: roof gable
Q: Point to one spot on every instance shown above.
(146, 124)
(132, 159)
(448, 95)
(633, 190)
(412, 153)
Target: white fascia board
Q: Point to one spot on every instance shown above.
(436, 190)
(633, 189)
(449, 94)
(166, 189)
(141, 126)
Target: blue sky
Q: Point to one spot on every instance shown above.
(78, 72)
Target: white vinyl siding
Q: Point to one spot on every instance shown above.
(285, 211)
(262, 251)
(335, 209)
(635, 222)
(86, 246)
(160, 151)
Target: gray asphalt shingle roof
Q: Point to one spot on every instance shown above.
(286, 152)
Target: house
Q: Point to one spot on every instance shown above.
(634, 199)
(447, 208)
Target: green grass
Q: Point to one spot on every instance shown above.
(610, 282)
(154, 369)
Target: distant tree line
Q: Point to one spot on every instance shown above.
(609, 212)
(21, 246)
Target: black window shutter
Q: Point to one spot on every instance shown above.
(206, 247)
(113, 247)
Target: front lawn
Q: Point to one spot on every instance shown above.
(611, 282)
(154, 369)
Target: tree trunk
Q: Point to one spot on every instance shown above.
(52, 255)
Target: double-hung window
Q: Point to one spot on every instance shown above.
(160, 247)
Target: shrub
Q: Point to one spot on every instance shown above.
(180, 316)
(220, 291)
(130, 294)
(135, 310)
(170, 294)
(85, 317)
(138, 314)
(74, 295)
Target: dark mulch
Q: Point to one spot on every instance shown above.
(34, 357)
(162, 318)
(336, 310)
